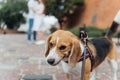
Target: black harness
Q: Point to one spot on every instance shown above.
(86, 54)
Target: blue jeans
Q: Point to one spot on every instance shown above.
(31, 21)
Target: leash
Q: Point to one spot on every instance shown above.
(86, 54)
(84, 37)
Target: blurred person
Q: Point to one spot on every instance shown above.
(39, 9)
(31, 14)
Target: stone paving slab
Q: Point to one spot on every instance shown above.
(18, 59)
(38, 77)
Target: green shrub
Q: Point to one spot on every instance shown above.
(95, 32)
(92, 31)
(60, 7)
(75, 31)
(11, 13)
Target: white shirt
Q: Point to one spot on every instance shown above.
(31, 4)
(38, 17)
(39, 8)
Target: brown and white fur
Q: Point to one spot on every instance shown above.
(64, 46)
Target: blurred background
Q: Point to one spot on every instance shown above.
(18, 58)
(70, 14)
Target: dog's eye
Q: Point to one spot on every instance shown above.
(62, 47)
(51, 44)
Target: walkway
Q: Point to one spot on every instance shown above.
(18, 58)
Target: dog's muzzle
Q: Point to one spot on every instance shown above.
(51, 61)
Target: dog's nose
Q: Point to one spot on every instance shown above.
(51, 61)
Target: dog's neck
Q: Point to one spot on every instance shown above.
(88, 54)
(82, 51)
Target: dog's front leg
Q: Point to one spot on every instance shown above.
(87, 76)
(87, 70)
(68, 76)
(67, 69)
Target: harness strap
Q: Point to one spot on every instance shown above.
(87, 52)
(88, 55)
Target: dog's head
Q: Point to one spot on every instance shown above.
(62, 44)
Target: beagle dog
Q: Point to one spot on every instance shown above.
(63, 46)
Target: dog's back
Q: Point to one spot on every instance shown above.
(104, 45)
(106, 48)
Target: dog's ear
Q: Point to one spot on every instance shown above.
(47, 46)
(75, 53)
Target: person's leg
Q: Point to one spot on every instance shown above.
(34, 35)
(30, 29)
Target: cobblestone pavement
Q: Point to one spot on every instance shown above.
(18, 58)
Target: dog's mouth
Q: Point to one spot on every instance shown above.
(57, 62)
